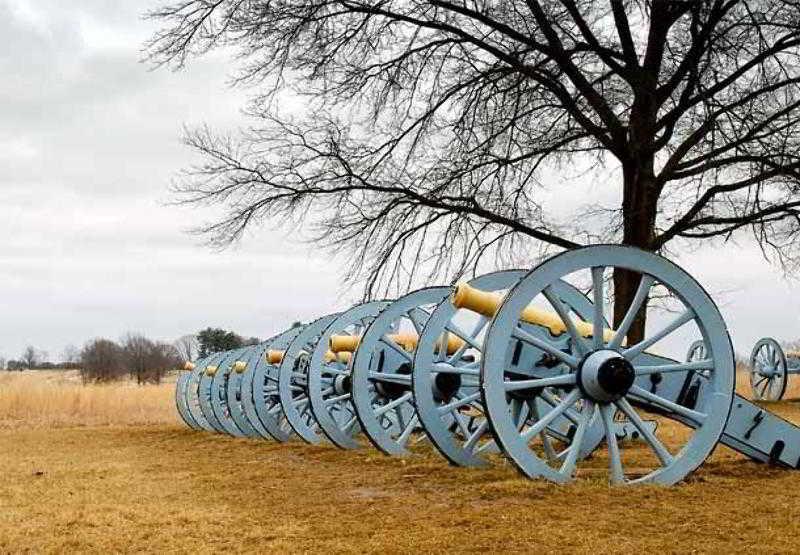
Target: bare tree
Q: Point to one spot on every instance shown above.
(432, 125)
(70, 355)
(30, 357)
(187, 347)
(163, 358)
(102, 361)
(137, 351)
(147, 361)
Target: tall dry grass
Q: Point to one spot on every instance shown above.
(40, 399)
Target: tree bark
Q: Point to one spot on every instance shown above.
(639, 207)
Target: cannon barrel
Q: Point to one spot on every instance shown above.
(486, 303)
(408, 341)
(276, 357)
(339, 343)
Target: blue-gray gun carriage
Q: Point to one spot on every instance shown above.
(519, 364)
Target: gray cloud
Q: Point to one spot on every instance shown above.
(88, 143)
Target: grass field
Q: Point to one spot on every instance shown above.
(108, 468)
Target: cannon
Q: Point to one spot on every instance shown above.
(181, 400)
(446, 386)
(329, 384)
(602, 373)
(217, 398)
(770, 367)
(293, 381)
(382, 369)
(519, 363)
(198, 392)
(186, 395)
(261, 392)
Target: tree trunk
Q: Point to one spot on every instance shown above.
(639, 204)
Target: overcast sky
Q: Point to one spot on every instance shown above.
(89, 140)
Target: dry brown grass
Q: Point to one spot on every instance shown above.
(164, 488)
(58, 399)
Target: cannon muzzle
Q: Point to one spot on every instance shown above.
(274, 357)
(211, 370)
(188, 366)
(344, 343)
(239, 366)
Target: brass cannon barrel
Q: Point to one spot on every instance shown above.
(276, 357)
(487, 303)
(407, 341)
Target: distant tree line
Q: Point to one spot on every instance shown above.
(215, 340)
(134, 356)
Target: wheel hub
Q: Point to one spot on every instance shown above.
(394, 390)
(445, 386)
(767, 371)
(605, 376)
(342, 384)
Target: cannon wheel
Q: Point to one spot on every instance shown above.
(245, 392)
(218, 387)
(293, 381)
(462, 436)
(768, 376)
(193, 393)
(382, 396)
(602, 368)
(181, 401)
(330, 383)
(263, 388)
(233, 392)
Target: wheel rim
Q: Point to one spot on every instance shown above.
(181, 401)
(235, 392)
(462, 436)
(246, 391)
(330, 383)
(264, 394)
(381, 372)
(194, 394)
(219, 393)
(293, 381)
(592, 361)
(768, 370)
